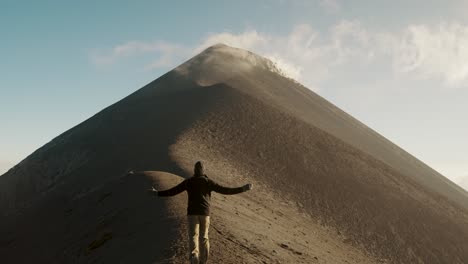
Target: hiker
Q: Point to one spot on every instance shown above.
(199, 189)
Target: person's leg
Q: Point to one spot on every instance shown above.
(204, 241)
(193, 227)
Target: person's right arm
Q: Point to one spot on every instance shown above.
(175, 190)
(227, 190)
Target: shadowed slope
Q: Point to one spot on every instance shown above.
(66, 173)
(133, 133)
(328, 189)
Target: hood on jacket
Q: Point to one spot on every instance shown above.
(198, 169)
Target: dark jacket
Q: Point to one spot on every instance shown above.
(199, 193)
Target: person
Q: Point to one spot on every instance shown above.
(199, 188)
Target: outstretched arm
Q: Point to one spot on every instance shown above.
(153, 191)
(227, 190)
(174, 191)
(132, 172)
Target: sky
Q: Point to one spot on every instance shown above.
(400, 67)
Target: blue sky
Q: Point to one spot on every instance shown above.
(400, 67)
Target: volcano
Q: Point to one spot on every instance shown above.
(327, 189)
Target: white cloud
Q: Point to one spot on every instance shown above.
(165, 51)
(439, 51)
(250, 39)
(310, 56)
(257, 42)
(304, 54)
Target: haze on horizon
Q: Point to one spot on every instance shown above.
(406, 79)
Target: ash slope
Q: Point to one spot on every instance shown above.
(353, 195)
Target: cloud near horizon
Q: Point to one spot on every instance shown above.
(309, 56)
(439, 51)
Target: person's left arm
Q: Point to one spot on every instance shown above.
(227, 190)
